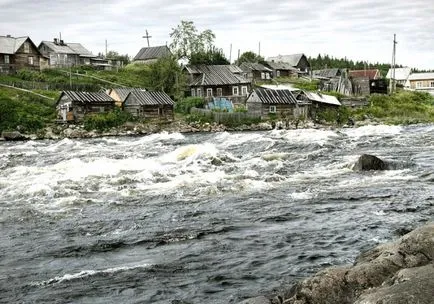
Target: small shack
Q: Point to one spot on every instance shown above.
(120, 94)
(281, 103)
(146, 104)
(73, 106)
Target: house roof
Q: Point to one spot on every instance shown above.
(371, 74)
(150, 98)
(10, 45)
(123, 92)
(87, 97)
(281, 66)
(400, 73)
(68, 48)
(293, 59)
(327, 73)
(279, 87)
(81, 50)
(153, 52)
(216, 75)
(421, 76)
(268, 96)
(254, 66)
(322, 98)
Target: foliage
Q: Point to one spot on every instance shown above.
(249, 57)
(30, 75)
(104, 121)
(308, 85)
(184, 105)
(186, 40)
(23, 111)
(240, 109)
(213, 56)
(125, 59)
(199, 118)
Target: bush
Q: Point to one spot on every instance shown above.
(199, 118)
(105, 121)
(30, 75)
(184, 106)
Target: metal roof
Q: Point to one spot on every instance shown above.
(216, 75)
(421, 76)
(293, 60)
(123, 92)
(328, 73)
(145, 98)
(10, 45)
(87, 97)
(80, 49)
(268, 96)
(281, 66)
(254, 66)
(153, 52)
(400, 73)
(57, 48)
(322, 98)
(371, 74)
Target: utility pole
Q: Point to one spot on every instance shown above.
(147, 37)
(392, 76)
(230, 54)
(259, 49)
(106, 48)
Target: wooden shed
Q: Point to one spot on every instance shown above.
(73, 106)
(145, 104)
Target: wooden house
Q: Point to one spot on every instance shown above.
(120, 94)
(334, 80)
(361, 80)
(210, 81)
(297, 61)
(421, 82)
(401, 75)
(318, 102)
(265, 102)
(63, 54)
(74, 106)
(255, 72)
(146, 104)
(151, 54)
(282, 69)
(18, 53)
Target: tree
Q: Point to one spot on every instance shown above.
(249, 57)
(116, 56)
(166, 75)
(186, 40)
(210, 57)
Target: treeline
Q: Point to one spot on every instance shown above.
(328, 62)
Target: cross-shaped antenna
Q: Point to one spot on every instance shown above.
(147, 37)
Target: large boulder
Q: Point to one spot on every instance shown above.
(398, 273)
(367, 162)
(13, 135)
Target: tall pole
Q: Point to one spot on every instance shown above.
(392, 76)
(259, 49)
(230, 54)
(147, 37)
(106, 48)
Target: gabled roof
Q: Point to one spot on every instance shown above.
(400, 73)
(216, 75)
(281, 66)
(150, 98)
(87, 97)
(123, 92)
(80, 49)
(10, 45)
(328, 73)
(421, 76)
(254, 66)
(57, 48)
(322, 98)
(293, 59)
(268, 96)
(371, 74)
(153, 52)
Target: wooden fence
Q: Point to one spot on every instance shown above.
(33, 85)
(227, 117)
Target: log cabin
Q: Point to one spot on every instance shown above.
(18, 53)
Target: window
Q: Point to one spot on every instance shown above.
(419, 84)
(193, 92)
(26, 47)
(272, 109)
(219, 92)
(431, 84)
(235, 91)
(7, 59)
(278, 73)
(209, 92)
(243, 90)
(262, 75)
(30, 60)
(199, 92)
(267, 76)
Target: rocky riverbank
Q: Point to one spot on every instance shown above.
(401, 272)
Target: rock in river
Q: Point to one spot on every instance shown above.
(368, 162)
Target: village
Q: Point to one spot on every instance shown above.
(256, 90)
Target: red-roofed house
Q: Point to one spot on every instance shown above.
(361, 80)
(370, 74)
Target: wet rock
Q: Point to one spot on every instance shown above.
(216, 161)
(402, 268)
(13, 135)
(368, 162)
(257, 300)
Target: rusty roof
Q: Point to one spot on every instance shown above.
(213, 75)
(153, 52)
(268, 96)
(87, 97)
(371, 74)
(145, 98)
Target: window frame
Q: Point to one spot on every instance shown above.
(246, 89)
(7, 59)
(209, 92)
(235, 91)
(26, 47)
(272, 110)
(199, 92)
(219, 92)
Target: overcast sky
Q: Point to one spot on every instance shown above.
(357, 29)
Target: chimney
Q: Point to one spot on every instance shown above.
(61, 42)
(55, 41)
(9, 36)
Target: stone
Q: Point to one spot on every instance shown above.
(367, 162)
(13, 135)
(256, 300)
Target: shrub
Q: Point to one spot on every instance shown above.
(184, 106)
(101, 122)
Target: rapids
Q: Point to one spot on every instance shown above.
(211, 217)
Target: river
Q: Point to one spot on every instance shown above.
(201, 218)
